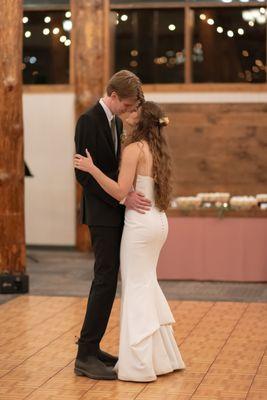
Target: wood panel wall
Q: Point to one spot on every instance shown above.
(218, 147)
(12, 237)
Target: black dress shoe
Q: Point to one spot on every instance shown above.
(106, 358)
(93, 368)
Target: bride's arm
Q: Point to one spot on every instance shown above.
(120, 189)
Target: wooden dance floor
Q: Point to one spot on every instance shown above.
(224, 346)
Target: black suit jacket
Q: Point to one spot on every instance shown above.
(93, 132)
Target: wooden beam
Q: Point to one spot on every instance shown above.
(180, 4)
(188, 31)
(205, 87)
(12, 237)
(89, 67)
(163, 87)
(53, 88)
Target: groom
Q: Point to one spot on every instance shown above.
(99, 130)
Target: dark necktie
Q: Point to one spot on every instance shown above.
(113, 130)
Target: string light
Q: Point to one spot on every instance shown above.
(67, 14)
(28, 34)
(247, 15)
(47, 20)
(46, 31)
(172, 27)
(32, 60)
(160, 60)
(25, 20)
(124, 17)
(261, 19)
(56, 31)
(254, 15)
(134, 53)
(67, 42)
(67, 25)
(133, 63)
(62, 39)
(259, 63)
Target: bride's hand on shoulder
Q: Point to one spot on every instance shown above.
(82, 163)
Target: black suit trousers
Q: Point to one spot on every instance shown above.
(106, 246)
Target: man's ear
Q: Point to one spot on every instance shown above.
(114, 95)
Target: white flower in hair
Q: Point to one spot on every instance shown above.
(164, 121)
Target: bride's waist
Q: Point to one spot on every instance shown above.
(152, 212)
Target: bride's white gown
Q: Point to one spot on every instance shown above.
(147, 344)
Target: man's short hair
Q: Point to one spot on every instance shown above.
(127, 85)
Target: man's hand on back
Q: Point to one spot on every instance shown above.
(137, 201)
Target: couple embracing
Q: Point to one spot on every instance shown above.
(125, 194)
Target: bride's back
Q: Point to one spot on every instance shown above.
(145, 161)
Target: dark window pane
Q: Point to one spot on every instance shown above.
(46, 47)
(151, 44)
(229, 45)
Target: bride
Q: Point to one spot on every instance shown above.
(147, 345)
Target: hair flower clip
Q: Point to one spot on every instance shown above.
(164, 121)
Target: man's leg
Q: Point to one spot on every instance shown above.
(106, 246)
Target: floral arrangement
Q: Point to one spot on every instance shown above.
(220, 201)
(243, 202)
(261, 198)
(186, 202)
(220, 197)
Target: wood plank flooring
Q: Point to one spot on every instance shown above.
(224, 346)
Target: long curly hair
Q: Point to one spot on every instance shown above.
(150, 128)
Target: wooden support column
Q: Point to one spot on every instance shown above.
(89, 68)
(189, 23)
(12, 237)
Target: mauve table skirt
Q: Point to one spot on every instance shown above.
(217, 249)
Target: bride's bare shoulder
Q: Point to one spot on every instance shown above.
(133, 147)
(141, 144)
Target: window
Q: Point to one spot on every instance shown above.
(150, 43)
(46, 47)
(227, 42)
(197, 41)
(229, 45)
